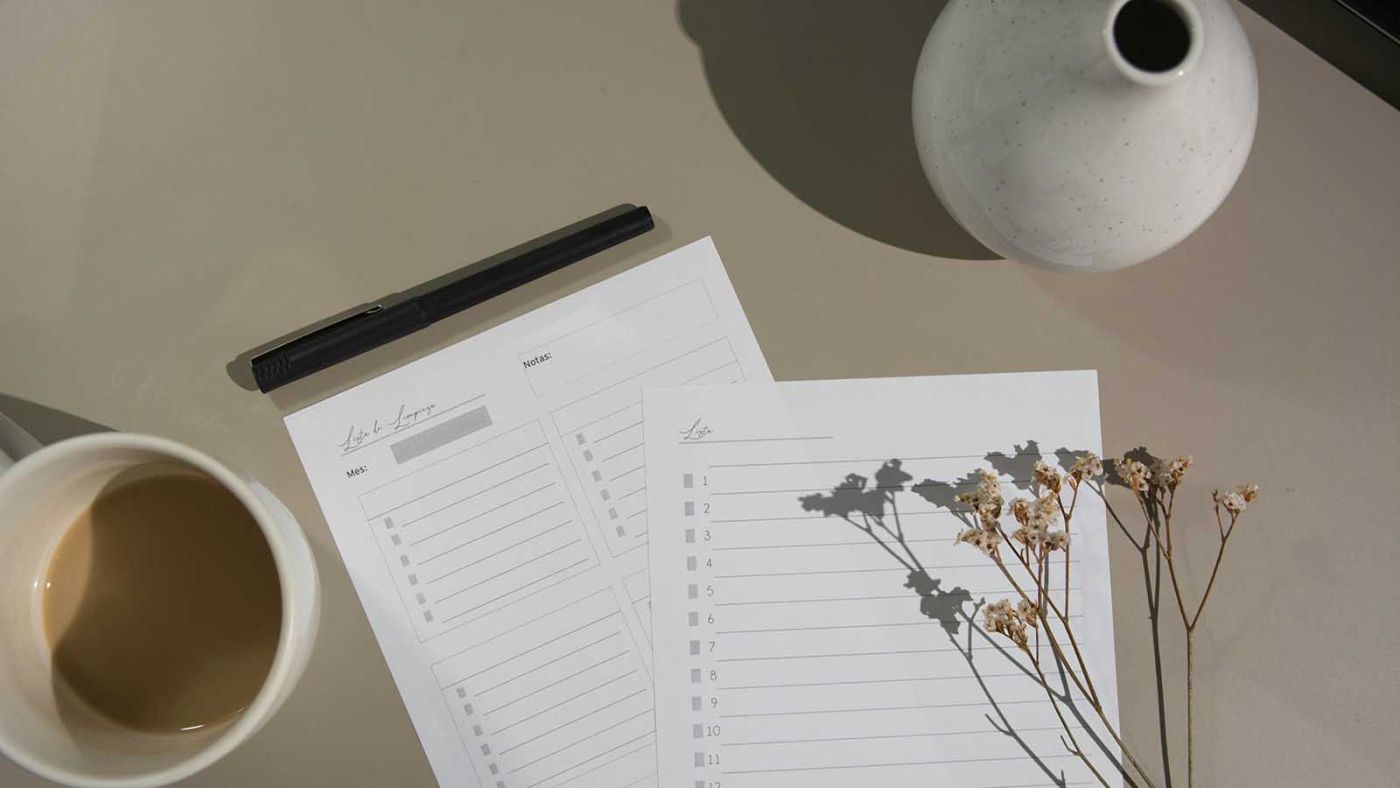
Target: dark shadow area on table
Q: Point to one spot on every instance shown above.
(46, 425)
(873, 509)
(240, 368)
(1356, 36)
(820, 94)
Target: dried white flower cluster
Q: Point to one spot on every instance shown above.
(986, 501)
(1134, 474)
(1170, 472)
(1164, 474)
(1000, 617)
(1088, 466)
(1047, 477)
(1234, 501)
(1036, 519)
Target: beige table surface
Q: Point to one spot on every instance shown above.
(183, 181)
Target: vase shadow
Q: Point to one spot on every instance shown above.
(820, 94)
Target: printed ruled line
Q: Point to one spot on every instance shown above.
(768, 630)
(635, 782)
(617, 432)
(561, 703)
(911, 488)
(862, 542)
(550, 576)
(708, 372)
(492, 531)
(627, 473)
(866, 681)
(544, 665)
(914, 763)
(1038, 701)
(849, 654)
(402, 504)
(577, 742)
(605, 416)
(654, 367)
(518, 627)
(517, 600)
(489, 556)
(504, 572)
(483, 491)
(637, 513)
(871, 598)
(757, 440)
(556, 682)
(454, 454)
(902, 515)
(610, 762)
(599, 755)
(625, 496)
(982, 457)
(483, 514)
(585, 715)
(939, 568)
(411, 426)
(619, 454)
(929, 734)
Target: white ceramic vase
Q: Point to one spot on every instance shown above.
(1084, 134)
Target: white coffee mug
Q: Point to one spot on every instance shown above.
(40, 495)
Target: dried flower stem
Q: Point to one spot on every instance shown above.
(1084, 683)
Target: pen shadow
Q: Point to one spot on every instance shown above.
(820, 94)
(240, 367)
(873, 510)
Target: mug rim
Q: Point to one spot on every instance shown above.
(278, 673)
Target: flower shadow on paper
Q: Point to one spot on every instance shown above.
(873, 509)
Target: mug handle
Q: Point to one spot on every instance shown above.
(15, 443)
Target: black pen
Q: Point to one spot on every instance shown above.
(381, 324)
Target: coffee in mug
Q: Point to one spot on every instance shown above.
(156, 609)
(161, 604)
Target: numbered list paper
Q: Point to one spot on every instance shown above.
(815, 622)
(489, 502)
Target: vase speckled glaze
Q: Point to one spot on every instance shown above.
(1086, 135)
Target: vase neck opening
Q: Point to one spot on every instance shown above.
(1153, 42)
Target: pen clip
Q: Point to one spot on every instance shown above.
(332, 325)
